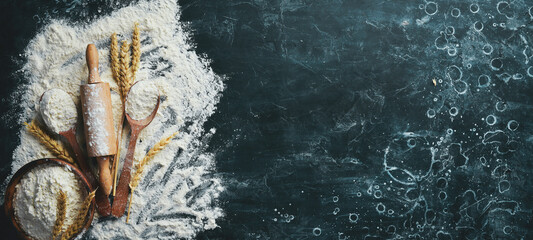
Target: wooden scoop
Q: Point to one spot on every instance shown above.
(70, 135)
(104, 206)
(121, 197)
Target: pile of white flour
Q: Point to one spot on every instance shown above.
(58, 110)
(141, 100)
(35, 200)
(177, 196)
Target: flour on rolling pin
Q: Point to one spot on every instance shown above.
(141, 99)
(35, 201)
(94, 109)
(58, 110)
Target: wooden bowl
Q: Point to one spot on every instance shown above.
(10, 191)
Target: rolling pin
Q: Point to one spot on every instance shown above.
(98, 120)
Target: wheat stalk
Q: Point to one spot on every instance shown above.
(123, 61)
(79, 221)
(61, 213)
(125, 78)
(114, 57)
(123, 92)
(155, 149)
(124, 73)
(136, 51)
(116, 67)
(117, 156)
(52, 145)
(140, 166)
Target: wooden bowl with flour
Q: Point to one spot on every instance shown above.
(30, 202)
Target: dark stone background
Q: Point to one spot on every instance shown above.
(325, 129)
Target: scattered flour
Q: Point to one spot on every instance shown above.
(141, 100)
(35, 197)
(58, 110)
(177, 197)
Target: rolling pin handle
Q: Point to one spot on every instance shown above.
(105, 176)
(92, 63)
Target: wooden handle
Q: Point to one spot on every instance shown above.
(80, 158)
(105, 175)
(103, 206)
(102, 201)
(92, 63)
(121, 197)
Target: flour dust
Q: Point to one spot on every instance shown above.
(177, 196)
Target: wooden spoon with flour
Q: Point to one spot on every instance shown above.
(61, 116)
(141, 107)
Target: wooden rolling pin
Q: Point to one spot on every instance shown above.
(98, 120)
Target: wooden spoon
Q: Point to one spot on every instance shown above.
(70, 135)
(102, 201)
(121, 197)
(11, 189)
(104, 206)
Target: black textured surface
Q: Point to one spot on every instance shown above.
(331, 126)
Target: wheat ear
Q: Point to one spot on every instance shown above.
(150, 155)
(52, 145)
(125, 81)
(61, 213)
(136, 51)
(79, 221)
(116, 70)
(124, 73)
(140, 166)
(124, 84)
(114, 57)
